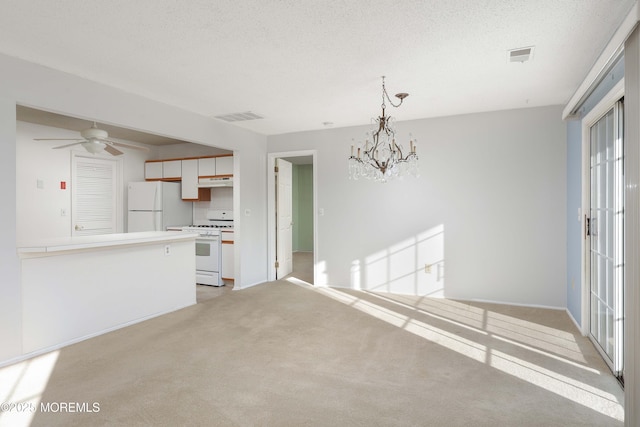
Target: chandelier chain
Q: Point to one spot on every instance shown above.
(385, 94)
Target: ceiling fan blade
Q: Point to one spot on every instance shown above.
(113, 151)
(120, 144)
(58, 139)
(68, 145)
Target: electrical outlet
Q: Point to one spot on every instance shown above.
(427, 268)
(167, 250)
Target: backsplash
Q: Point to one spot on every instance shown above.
(221, 198)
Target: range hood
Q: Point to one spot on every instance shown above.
(215, 182)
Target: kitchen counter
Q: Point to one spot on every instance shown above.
(103, 240)
(74, 288)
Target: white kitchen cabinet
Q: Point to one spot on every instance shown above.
(227, 272)
(153, 170)
(207, 166)
(172, 169)
(189, 183)
(224, 165)
(190, 179)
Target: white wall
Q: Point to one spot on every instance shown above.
(10, 294)
(43, 88)
(40, 208)
(488, 212)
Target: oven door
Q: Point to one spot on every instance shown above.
(208, 260)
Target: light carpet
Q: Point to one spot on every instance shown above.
(282, 354)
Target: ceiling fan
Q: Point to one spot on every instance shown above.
(95, 140)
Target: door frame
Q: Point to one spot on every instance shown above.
(271, 209)
(605, 104)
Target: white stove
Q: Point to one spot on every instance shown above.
(216, 219)
(208, 246)
(202, 230)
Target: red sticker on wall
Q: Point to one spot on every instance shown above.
(63, 185)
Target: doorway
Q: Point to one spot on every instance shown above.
(291, 216)
(603, 131)
(95, 195)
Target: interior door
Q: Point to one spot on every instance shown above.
(284, 218)
(94, 196)
(605, 232)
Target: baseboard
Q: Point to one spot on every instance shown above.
(575, 322)
(517, 304)
(236, 288)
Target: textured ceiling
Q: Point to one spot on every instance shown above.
(300, 63)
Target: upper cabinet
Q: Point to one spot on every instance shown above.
(172, 169)
(190, 190)
(207, 166)
(189, 171)
(190, 179)
(152, 170)
(215, 166)
(224, 165)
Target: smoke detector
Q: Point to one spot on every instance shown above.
(521, 54)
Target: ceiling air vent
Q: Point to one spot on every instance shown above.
(522, 54)
(239, 117)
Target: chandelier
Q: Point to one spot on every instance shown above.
(381, 158)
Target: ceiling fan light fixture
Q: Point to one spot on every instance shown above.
(93, 145)
(96, 141)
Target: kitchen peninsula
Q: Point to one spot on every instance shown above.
(74, 288)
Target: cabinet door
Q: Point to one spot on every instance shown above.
(190, 179)
(153, 170)
(172, 169)
(227, 271)
(224, 165)
(207, 166)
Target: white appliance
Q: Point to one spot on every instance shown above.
(208, 246)
(208, 255)
(155, 205)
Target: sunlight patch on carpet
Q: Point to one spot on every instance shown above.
(21, 387)
(569, 388)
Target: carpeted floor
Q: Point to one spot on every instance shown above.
(302, 267)
(281, 354)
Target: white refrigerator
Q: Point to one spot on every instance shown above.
(155, 205)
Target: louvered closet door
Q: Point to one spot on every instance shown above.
(93, 196)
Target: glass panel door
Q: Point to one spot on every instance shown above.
(605, 232)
